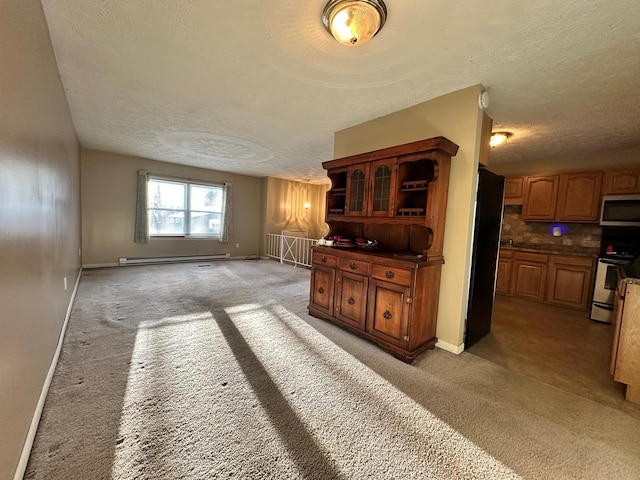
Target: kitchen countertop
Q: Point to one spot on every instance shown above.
(552, 249)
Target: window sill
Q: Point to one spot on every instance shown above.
(180, 237)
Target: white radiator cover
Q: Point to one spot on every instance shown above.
(174, 259)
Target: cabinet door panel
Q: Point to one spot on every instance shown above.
(503, 276)
(382, 186)
(621, 182)
(351, 298)
(529, 280)
(388, 312)
(322, 288)
(513, 190)
(569, 286)
(580, 197)
(540, 198)
(357, 190)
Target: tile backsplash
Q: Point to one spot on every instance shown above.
(575, 234)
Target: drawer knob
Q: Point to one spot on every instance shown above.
(353, 266)
(323, 259)
(389, 274)
(321, 290)
(387, 315)
(351, 301)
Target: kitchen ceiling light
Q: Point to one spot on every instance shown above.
(354, 22)
(498, 138)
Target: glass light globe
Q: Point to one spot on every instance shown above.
(354, 22)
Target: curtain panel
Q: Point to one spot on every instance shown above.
(141, 234)
(226, 235)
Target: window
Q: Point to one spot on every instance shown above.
(184, 209)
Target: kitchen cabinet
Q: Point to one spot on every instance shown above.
(625, 357)
(514, 191)
(622, 181)
(570, 197)
(569, 281)
(540, 198)
(579, 197)
(557, 279)
(503, 275)
(398, 197)
(529, 275)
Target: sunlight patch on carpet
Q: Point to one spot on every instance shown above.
(347, 407)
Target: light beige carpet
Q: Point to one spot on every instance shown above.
(189, 371)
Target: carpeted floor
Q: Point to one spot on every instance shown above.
(195, 371)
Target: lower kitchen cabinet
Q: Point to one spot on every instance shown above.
(529, 275)
(504, 272)
(564, 280)
(390, 300)
(569, 281)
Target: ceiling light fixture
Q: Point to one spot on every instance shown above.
(498, 138)
(354, 22)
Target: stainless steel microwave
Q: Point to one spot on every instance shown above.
(620, 211)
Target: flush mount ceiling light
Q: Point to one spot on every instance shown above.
(498, 138)
(354, 22)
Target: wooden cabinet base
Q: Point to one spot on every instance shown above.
(407, 356)
(389, 300)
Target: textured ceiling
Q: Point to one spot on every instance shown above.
(259, 87)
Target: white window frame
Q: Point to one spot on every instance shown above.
(187, 211)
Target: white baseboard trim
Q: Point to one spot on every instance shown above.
(100, 265)
(457, 349)
(35, 420)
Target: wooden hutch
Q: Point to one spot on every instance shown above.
(398, 197)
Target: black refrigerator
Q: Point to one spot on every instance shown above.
(484, 259)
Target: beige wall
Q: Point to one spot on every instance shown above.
(39, 218)
(284, 208)
(457, 117)
(108, 210)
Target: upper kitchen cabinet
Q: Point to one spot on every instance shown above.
(622, 181)
(579, 197)
(540, 198)
(513, 191)
(571, 197)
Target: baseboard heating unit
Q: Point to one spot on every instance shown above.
(175, 259)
